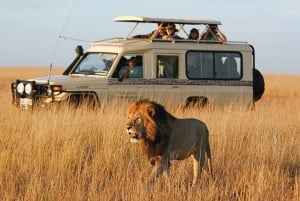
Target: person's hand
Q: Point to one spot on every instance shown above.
(160, 28)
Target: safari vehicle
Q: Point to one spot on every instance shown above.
(181, 70)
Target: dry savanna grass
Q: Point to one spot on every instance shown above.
(80, 154)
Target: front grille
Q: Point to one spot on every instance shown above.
(38, 91)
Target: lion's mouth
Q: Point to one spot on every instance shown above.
(133, 136)
(133, 140)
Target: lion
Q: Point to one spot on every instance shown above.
(164, 137)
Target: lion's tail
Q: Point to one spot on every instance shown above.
(209, 160)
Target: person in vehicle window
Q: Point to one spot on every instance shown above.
(213, 33)
(171, 32)
(131, 71)
(194, 34)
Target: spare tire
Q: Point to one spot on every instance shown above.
(258, 85)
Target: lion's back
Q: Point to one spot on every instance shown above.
(186, 133)
(194, 126)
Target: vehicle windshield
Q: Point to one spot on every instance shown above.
(95, 63)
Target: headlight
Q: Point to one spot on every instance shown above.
(49, 91)
(20, 88)
(28, 88)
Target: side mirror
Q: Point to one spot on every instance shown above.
(79, 50)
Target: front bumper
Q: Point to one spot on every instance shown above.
(27, 94)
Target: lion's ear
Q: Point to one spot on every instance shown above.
(151, 111)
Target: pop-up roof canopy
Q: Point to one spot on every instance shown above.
(138, 19)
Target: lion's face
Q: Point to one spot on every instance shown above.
(135, 126)
(140, 124)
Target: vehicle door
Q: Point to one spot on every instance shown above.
(129, 79)
(166, 85)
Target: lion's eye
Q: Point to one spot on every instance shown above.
(136, 119)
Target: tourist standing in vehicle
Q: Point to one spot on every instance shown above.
(160, 31)
(171, 32)
(194, 34)
(213, 33)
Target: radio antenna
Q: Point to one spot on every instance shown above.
(74, 39)
(57, 41)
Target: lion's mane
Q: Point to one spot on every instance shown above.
(157, 124)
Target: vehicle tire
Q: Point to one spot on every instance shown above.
(258, 85)
(195, 101)
(79, 100)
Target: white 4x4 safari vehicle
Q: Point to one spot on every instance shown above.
(181, 70)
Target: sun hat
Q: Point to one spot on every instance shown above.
(171, 26)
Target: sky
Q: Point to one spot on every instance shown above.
(31, 29)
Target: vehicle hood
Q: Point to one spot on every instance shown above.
(73, 82)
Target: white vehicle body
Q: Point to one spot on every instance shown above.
(221, 73)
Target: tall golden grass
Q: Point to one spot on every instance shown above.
(80, 154)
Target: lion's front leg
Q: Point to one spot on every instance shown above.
(160, 164)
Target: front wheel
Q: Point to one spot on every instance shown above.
(87, 99)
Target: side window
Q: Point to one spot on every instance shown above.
(228, 65)
(130, 66)
(167, 66)
(213, 65)
(200, 65)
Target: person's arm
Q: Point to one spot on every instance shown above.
(154, 35)
(204, 35)
(222, 36)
